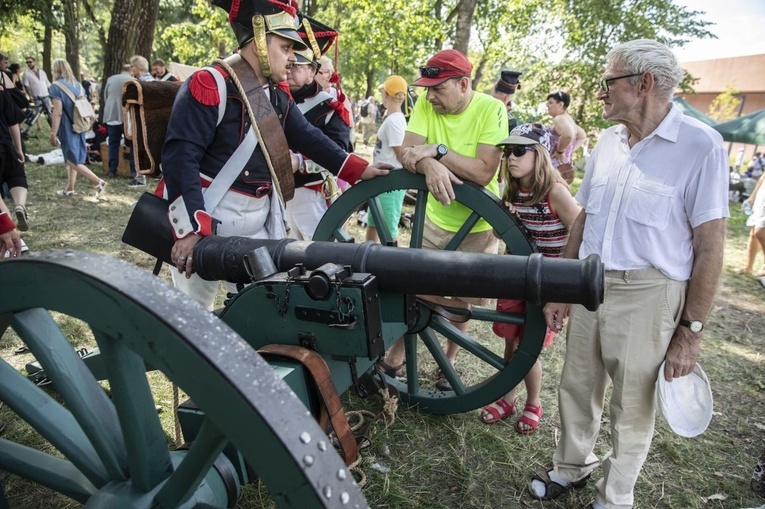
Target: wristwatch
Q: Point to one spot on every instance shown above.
(695, 325)
(441, 151)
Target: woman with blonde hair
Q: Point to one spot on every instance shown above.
(72, 143)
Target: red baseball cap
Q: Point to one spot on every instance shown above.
(445, 64)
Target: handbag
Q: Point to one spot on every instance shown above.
(148, 228)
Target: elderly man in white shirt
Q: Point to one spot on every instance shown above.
(654, 201)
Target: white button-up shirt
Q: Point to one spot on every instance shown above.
(643, 202)
(37, 86)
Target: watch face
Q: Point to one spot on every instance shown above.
(696, 326)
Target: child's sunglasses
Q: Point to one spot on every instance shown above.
(518, 151)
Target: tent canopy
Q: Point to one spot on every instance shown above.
(692, 112)
(747, 129)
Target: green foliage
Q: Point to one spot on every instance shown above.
(581, 34)
(726, 105)
(193, 32)
(557, 44)
(378, 39)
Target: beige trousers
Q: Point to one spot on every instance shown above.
(623, 342)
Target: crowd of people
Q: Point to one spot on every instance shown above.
(652, 204)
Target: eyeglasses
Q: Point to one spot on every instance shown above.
(606, 81)
(518, 151)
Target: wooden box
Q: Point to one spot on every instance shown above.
(123, 168)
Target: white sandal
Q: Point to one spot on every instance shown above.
(100, 188)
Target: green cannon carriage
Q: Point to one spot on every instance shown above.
(343, 302)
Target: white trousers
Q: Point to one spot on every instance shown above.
(239, 215)
(623, 342)
(304, 212)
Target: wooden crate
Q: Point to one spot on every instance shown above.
(123, 168)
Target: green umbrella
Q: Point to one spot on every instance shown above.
(747, 129)
(693, 112)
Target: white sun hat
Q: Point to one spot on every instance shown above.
(685, 402)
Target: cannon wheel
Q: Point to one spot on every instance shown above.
(503, 375)
(115, 452)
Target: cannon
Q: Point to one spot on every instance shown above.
(345, 302)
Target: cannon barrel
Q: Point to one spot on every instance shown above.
(535, 279)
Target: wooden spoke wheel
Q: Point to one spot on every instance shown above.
(113, 450)
(422, 344)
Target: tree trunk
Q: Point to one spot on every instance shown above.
(146, 24)
(72, 37)
(371, 84)
(479, 71)
(464, 14)
(47, 48)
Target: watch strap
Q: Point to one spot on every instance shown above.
(689, 324)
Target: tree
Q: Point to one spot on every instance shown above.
(463, 12)
(196, 36)
(726, 106)
(381, 38)
(126, 27)
(588, 29)
(72, 36)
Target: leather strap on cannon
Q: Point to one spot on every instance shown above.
(331, 411)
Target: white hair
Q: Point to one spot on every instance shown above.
(326, 64)
(646, 55)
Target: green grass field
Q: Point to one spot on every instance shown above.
(428, 461)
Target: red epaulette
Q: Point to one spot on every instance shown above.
(204, 88)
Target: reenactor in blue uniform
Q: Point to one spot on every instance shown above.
(314, 185)
(197, 145)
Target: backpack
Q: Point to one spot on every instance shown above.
(364, 111)
(84, 115)
(147, 106)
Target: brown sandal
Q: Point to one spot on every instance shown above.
(391, 371)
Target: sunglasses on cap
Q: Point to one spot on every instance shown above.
(518, 150)
(434, 72)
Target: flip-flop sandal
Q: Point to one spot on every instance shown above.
(552, 488)
(21, 349)
(497, 411)
(530, 418)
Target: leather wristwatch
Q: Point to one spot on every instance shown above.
(695, 325)
(441, 151)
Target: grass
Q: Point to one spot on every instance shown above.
(427, 461)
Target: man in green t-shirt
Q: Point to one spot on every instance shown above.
(451, 136)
